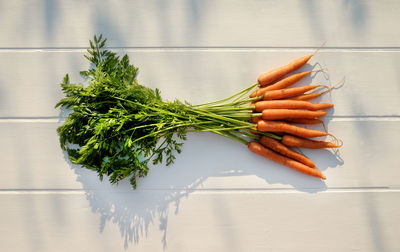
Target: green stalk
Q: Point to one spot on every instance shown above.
(229, 98)
(222, 118)
(229, 108)
(237, 103)
(231, 136)
(225, 128)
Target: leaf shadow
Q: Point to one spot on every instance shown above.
(135, 212)
(208, 162)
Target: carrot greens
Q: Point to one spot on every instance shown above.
(121, 126)
(118, 127)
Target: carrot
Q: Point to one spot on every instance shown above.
(290, 80)
(282, 149)
(271, 155)
(255, 119)
(293, 141)
(258, 92)
(275, 74)
(290, 104)
(284, 83)
(278, 114)
(278, 126)
(287, 92)
(304, 121)
(305, 97)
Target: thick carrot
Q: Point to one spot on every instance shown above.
(290, 104)
(293, 141)
(304, 121)
(282, 149)
(278, 114)
(271, 155)
(287, 92)
(278, 126)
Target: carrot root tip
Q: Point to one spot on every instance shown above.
(336, 141)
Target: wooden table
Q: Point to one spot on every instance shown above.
(217, 196)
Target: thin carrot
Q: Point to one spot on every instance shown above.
(304, 121)
(289, 104)
(287, 92)
(275, 74)
(271, 155)
(278, 126)
(305, 97)
(279, 114)
(293, 141)
(282, 149)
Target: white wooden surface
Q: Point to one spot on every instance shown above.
(217, 196)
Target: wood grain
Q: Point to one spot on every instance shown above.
(200, 221)
(32, 159)
(29, 81)
(197, 23)
(217, 196)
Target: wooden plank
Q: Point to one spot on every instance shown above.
(218, 196)
(156, 23)
(32, 159)
(29, 80)
(169, 220)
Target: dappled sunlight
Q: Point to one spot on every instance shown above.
(217, 194)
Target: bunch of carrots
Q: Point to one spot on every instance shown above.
(117, 126)
(283, 111)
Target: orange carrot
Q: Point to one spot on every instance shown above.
(258, 92)
(290, 104)
(278, 114)
(282, 149)
(305, 97)
(271, 155)
(284, 83)
(293, 141)
(275, 74)
(278, 126)
(287, 92)
(304, 121)
(255, 119)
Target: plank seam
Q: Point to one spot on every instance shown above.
(202, 48)
(210, 190)
(57, 119)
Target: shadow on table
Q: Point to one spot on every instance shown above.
(205, 158)
(133, 211)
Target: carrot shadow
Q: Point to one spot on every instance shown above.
(208, 162)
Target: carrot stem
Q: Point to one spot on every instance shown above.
(229, 98)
